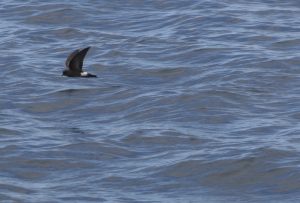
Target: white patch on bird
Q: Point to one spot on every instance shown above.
(84, 74)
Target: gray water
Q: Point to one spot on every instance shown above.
(195, 101)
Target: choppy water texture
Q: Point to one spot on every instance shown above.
(196, 101)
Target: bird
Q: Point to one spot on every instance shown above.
(74, 63)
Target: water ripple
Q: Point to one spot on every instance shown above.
(194, 102)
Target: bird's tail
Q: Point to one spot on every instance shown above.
(91, 75)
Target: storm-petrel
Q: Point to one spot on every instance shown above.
(74, 64)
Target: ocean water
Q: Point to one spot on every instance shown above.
(195, 101)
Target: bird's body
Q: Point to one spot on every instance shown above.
(74, 64)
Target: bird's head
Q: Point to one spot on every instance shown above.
(65, 72)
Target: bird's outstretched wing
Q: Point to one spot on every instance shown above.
(75, 60)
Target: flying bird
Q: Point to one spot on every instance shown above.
(74, 64)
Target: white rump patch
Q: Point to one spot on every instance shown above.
(84, 74)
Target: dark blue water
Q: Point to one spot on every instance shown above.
(195, 101)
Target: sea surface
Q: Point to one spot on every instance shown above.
(196, 101)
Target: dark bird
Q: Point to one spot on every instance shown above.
(74, 64)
